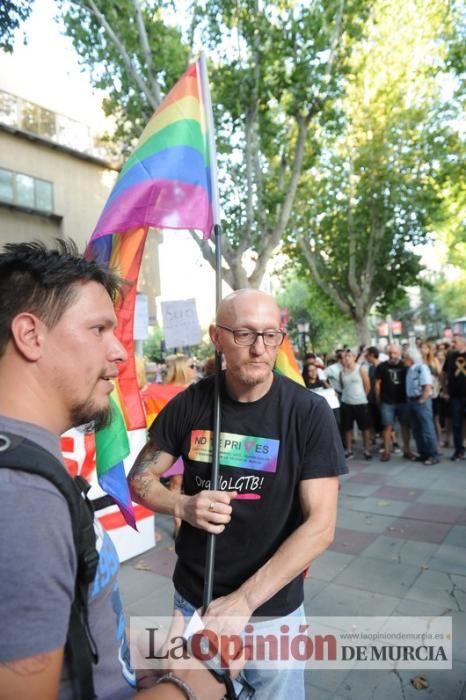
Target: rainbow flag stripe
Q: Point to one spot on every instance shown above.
(123, 254)
(112, 447)
(156, 396)
(286, 364)
(167, 181)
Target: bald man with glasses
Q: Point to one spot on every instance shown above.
(275, 510)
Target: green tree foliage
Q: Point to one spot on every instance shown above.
(332, 126)
(152, 346)
(12, 16)
(276, 71)
(374, 192)
(134, 57)
(450, 297)
(276, 74)
(452, 229)
(329, 328)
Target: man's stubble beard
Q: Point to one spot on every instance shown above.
(254, 379)
(92, 418)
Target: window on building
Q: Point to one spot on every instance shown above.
(26, 191)
(8, 109)
(6, 186)
(44, 195)
(37, 120)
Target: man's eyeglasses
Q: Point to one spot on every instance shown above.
(247, 337)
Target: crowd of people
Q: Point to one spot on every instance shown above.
(407, 391)
(396, 396)
(274, 510)
(407, 398)
(158, 372)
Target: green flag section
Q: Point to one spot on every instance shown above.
(111, 443)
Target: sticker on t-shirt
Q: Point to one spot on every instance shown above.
(460, 366)
(244, 451)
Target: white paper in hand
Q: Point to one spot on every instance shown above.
(194, 625)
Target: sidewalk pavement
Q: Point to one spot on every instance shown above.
(400, 549)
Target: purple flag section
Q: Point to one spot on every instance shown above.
(113, 482)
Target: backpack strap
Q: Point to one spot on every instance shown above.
(20, 454)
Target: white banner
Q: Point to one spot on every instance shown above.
(78, 449)
(314, 642)
(180, 323)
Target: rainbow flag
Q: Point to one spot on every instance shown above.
(285, 362)
(156, 396)
(112, 446)
(168, 182)
(123, 254)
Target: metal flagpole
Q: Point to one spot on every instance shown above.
(214, 478)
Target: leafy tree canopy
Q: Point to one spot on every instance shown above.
(374, 193)
(329, 328)
(133, 55)
(12, 16)
(276, 69)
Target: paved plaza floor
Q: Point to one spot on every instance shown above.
(400, 550)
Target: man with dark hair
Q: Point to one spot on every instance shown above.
(454, 371)
(280, 458)
(391, 395)
(373, 361)
(58, 357)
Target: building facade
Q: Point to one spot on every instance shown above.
(54, 180)
(55, 177)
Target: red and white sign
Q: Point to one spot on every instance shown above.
(383, 329)
(78, 450)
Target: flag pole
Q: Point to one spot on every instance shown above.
(214, 477)
(217, 231)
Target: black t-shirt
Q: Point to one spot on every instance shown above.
(455, 370)
(392, 387)
(267, 447)
(318, 384)
(372, 372)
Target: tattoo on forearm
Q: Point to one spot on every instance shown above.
(140, 478)
(147, 456)
(141, 485)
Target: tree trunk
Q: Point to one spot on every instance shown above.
(362, 330)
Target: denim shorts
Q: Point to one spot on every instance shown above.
(389, 412)
(269, 684)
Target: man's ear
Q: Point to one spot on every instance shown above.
(28, 334)
(215, 337)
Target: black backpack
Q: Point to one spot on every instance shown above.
(80, 649)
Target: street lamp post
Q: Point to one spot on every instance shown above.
(303, 330)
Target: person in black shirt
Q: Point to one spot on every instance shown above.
(280, 457)
(391, 396)
(455, 379)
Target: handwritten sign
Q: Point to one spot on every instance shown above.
(180, 323)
